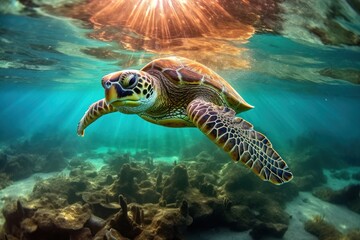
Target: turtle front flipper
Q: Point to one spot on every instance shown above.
(238, 138)
(95, 111)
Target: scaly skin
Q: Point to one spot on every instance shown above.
(96, 110)
(238, 138)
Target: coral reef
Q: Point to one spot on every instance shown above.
(4, 180)
(260, 206)
(348, 196)
(326, 231)
(54, 161)
(146, 222)
(19, 166)
(142, 199)
(133, 183)
(176, 185)
(353, 234)
(116, 161)
(20, 160)
(202, 152)
(29, 222)
(322, 229)
(311, 155)
(239, 217)
(43, 142)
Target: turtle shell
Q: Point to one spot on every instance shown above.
(185, 71)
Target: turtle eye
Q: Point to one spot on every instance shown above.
(130, 81)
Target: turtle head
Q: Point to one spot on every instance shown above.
(129, 91)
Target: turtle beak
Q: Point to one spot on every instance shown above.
(110, 89)
(117, 97)
(111, 95)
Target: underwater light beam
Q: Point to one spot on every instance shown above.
(203, 30)
(169, 19)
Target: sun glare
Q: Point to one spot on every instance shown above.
(169, 26)
(169, 19)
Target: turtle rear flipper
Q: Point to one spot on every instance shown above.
(95, 111)
(238, 138)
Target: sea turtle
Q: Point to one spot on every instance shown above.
(178, 92)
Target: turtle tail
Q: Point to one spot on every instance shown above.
(95, 111)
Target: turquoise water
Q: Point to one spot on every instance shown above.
(306, 96)
(48, 83)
